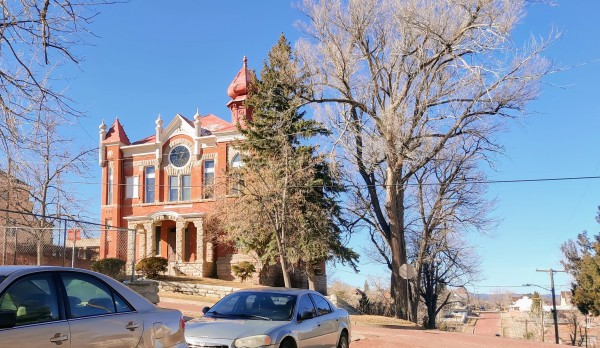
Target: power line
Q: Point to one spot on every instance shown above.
(502, 181)
(67, 219)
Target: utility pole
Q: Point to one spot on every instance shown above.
(551, 272)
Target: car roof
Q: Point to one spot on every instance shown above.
(287, 291)
(8, 270)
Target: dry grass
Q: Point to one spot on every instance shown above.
(209, 281)
(380, 320)
(356, 319)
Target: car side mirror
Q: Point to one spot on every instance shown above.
(306, 315)
(8, 319)
(205, 309)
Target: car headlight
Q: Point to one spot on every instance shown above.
(252, 341)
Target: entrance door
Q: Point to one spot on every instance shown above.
(171, 240)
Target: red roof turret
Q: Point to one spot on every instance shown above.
(116, 134)
(238, 89)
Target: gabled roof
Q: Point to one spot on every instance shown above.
(116, 134)
(212, 123)
(146, 140)
(209, 123)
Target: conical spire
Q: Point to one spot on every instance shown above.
(116, 134)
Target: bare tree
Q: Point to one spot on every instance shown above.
(399, 81)
(501, 298)
(267, 216)
(35, 38)
(45, 160)
(576, 323)
(449, 201)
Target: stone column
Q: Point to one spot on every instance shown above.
(130, 266)
(179, 239)
(141, 247)
(199, 241)
(149, 227)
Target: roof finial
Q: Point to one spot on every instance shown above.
(245, 62)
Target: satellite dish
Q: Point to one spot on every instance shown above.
(407, 271)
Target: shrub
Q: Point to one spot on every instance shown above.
(243, 270)
(111, 267)
(151, 267)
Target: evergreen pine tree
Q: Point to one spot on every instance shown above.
(305, 225)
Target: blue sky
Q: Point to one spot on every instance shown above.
(154, 57)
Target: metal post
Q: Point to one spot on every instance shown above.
(134, 254)
(554, 309)
(64, 243)
(4, 243)
(73, 252)
(407, 299)
(16, 232)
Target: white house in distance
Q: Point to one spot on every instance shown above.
(524, 303)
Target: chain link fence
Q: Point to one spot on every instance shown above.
(76, 245)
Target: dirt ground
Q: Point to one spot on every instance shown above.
(371, 336)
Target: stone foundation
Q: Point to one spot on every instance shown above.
(146, 288)
(187, 288)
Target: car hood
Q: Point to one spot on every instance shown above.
(229, 328)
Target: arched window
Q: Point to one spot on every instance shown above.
(236, 163)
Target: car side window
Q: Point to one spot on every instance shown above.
(33, 298)
(121, 304)
(322, 305)
(88, 296)
(305, 305)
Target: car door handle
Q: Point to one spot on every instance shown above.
(58, 338)
(132, 326)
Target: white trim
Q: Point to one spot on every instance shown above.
(178, 206)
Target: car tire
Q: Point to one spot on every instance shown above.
(287, 343)
(343, 342)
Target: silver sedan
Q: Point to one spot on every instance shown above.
(271, 317)
(57, 306)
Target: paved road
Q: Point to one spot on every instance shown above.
(488, 324)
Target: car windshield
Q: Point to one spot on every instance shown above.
(254, 306)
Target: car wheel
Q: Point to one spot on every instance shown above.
(343, 343)
(287, 343)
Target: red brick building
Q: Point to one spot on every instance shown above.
(162, 186)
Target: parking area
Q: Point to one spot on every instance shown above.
(367, 336)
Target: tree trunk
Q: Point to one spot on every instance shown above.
(395, 212)
(311, 276)
(431, 316)
(284, 268)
